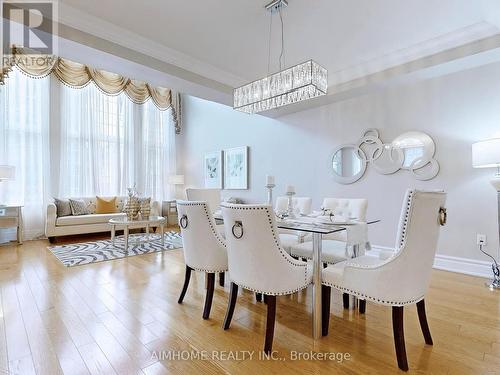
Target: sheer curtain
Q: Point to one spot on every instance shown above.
(24, 143)
(97, 142)
(67, 142)
(108, 143)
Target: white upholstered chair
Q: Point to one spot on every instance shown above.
(401, 279)
(204, 248)
(257, 261)
(303, 205)
(211, 196)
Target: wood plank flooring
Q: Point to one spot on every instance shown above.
(122, 317)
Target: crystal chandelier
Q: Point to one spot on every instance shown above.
(297, 83)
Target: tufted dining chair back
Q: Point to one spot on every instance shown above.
(204, 247)
(255, 257)
(347, 207)
(303, 204)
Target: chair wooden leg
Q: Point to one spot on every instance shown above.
(423, 322)
(222, 278)
(233, 294)
(399, 337)
(210, 295)
(271, 317)
(186, 284)
(362, 306)
(345, 300)
(258, 297)
(326, 292)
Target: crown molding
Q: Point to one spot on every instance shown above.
(456, 38)
(97, 27)
(394, 67)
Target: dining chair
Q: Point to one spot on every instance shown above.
(303, 206)
(347, 207)
(257, 261)
(204, 248)
(401, 279)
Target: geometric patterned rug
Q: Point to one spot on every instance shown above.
(78, 254)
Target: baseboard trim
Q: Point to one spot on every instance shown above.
(450, 263)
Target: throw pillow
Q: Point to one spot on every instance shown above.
(63, 208)
(105, 206)
(79, 207)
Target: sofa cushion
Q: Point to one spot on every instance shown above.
(79, 207)
(106, 205)
(63, 208)
(86, 219)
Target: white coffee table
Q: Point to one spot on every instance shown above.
(123, 222)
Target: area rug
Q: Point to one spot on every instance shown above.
(78, 254)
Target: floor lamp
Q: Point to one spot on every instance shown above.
(486, 154)
(176, 180)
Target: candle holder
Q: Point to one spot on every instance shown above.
(270, 188)
(290, 211)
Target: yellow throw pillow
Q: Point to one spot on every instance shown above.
(105, 205)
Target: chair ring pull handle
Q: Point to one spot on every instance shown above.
(237, 224)
(443, 216)
(183, 222)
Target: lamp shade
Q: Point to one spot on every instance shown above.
(176, 179)
(486, 154)
(7, 172)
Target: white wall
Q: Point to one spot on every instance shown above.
(456, 110)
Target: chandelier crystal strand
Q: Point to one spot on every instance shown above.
(300, 82)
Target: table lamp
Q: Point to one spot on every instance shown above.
(486, 154)
(176, 179)
(7, 172)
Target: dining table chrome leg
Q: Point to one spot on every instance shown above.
(317, 267)
(354, 301)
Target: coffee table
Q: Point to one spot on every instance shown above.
(126, 224)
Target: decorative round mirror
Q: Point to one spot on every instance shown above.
(418, 149)
(348, 164)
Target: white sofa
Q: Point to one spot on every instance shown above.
(93, 223)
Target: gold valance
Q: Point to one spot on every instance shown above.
(78, 75)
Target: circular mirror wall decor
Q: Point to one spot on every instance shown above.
(348, 163)
(412, 151)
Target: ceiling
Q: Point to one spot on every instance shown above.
(227, 40)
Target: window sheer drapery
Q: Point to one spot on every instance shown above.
(68, 142)
(24, 144)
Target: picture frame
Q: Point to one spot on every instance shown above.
(236, 168)
(213, 171)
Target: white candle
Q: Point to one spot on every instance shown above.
(269, 180)
(290, 189)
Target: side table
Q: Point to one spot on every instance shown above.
(169, 210)
(11, 216)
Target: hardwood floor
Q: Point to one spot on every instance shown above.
(122, 317)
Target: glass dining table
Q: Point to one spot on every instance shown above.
(317, 229)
